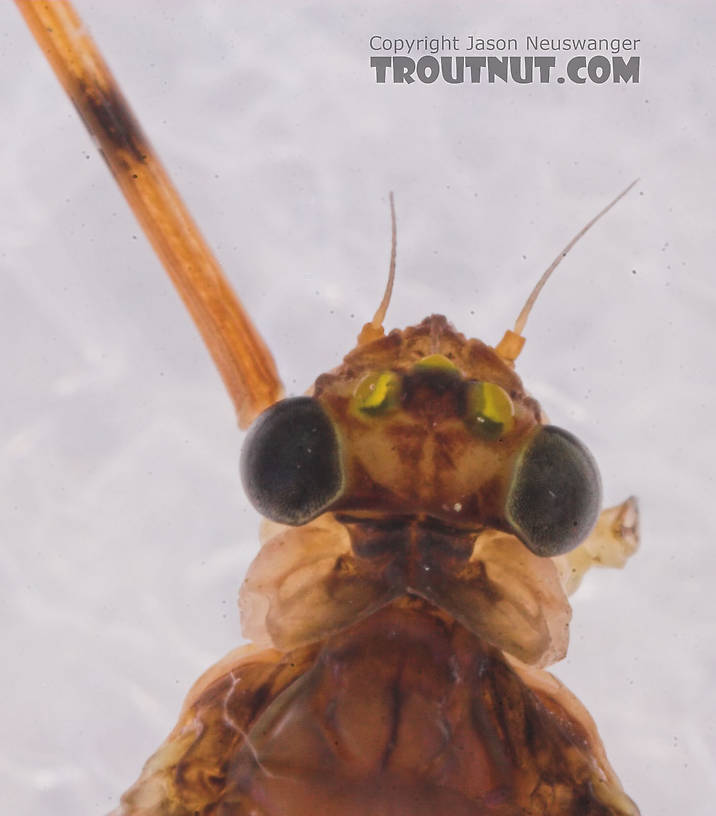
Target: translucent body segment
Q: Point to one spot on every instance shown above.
(305, 584)
(310, 582)
(508, 596)
(613, 541)
(404, 714)
(242, 358)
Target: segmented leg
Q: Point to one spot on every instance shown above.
(240, 355)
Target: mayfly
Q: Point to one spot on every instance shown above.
(424, 526)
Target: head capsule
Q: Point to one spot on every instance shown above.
(426, 424)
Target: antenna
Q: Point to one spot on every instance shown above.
(511, 344)
(374, 330)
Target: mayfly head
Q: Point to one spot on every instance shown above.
(424, 423)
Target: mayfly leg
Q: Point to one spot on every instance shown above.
(240, 354)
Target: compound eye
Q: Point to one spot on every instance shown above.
(555, 494)
(291, 463)
(489, 411)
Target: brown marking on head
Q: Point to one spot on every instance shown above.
(421, 457)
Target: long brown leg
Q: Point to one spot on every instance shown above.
(243, 360)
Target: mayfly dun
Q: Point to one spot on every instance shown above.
(425, 524)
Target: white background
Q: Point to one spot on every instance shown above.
(124, 531)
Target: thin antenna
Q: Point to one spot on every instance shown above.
(511, 344)
(374, 329)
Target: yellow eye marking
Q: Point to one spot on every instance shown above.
(438, 361)
(490, 412)
(378, 393)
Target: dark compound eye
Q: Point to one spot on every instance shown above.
(555, 494)
(290, 462)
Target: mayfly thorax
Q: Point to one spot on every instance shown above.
(425, 524)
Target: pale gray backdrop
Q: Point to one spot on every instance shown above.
(124, 531)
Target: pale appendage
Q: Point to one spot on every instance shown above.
(614, 539)
(240, 354)
(308, 583)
